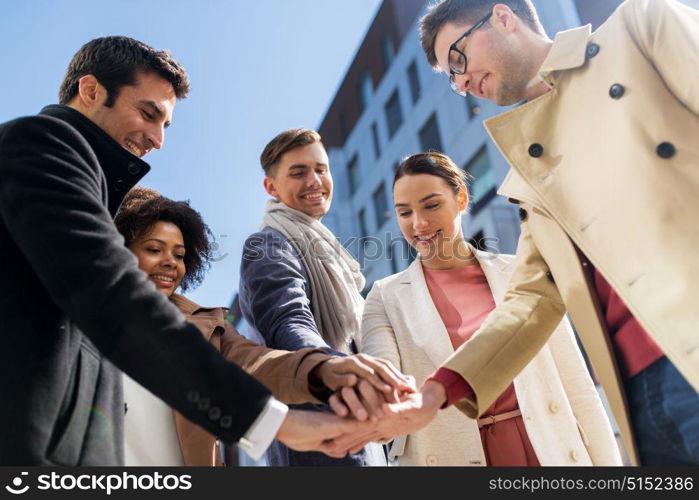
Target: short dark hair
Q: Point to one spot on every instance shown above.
(284, 142)
(437, 164)
(116, 61)
(143, 207)
(468, 12)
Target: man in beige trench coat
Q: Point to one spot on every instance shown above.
(605, 168)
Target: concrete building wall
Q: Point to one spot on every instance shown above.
(462, 137)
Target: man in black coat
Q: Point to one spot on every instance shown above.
(73, 304)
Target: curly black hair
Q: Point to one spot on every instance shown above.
(143, 207)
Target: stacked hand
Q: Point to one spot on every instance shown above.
(364, 382)
(318, 431)
(412, 413)
(373, 401)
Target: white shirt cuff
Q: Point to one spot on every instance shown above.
(264, 429)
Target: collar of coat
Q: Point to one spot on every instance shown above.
(190, 308)
(567, 51)
(122, 169)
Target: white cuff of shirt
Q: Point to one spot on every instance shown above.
(264, 429)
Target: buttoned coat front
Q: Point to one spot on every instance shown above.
(561, 409)
(605, 165)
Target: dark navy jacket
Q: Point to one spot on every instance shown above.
(276, 300)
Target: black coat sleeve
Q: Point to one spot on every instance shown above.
(51, 201)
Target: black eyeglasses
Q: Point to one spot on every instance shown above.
(457, 59)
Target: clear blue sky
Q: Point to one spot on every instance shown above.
(256, 68)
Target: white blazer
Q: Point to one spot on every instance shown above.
(561, 409)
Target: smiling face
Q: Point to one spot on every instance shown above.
(500, 65)
(429, 216)
(302, 180)
(160, 252)
(139, 115)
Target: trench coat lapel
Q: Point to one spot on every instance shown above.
(206, 323)
(493, 268)
(567, 50)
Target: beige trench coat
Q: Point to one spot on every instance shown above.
(562, 412)
(607, 162)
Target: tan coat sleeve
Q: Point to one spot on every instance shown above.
(513, 333)
(285, 373)
(376, 336)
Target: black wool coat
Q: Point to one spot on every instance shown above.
(75, 308)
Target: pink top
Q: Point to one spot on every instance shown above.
(463, 299)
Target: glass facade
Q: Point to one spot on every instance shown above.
(380, 205)
(430, 140)
(484, 182)
(414, 81)
(394, 113)
(353, 173)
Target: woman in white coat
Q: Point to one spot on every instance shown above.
(550, 415)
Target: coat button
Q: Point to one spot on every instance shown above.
(592, 50)
(193, 396)
(215, 413)
(119, 185)
(134, 169)
(550, 277)
(126, 408)
(666, 150)
(553, 407)
(226, 422)
(203, 404)
(522, 214)
(573, 455)
(431, 460)
(536, 150)
(616, 91)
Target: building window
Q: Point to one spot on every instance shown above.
(473, 106)
(363, 233)
(429, 135)
(375, 137)
(388, 51)
(365, 90)
(483, 186)
(478, 241)
(380, 205)
(394, 114)
(344, 128)
(353, 173)
(414, 82)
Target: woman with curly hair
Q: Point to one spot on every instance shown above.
(172, 245)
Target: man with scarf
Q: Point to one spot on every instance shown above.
(299, 287)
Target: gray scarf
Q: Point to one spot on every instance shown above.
(335, 276)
